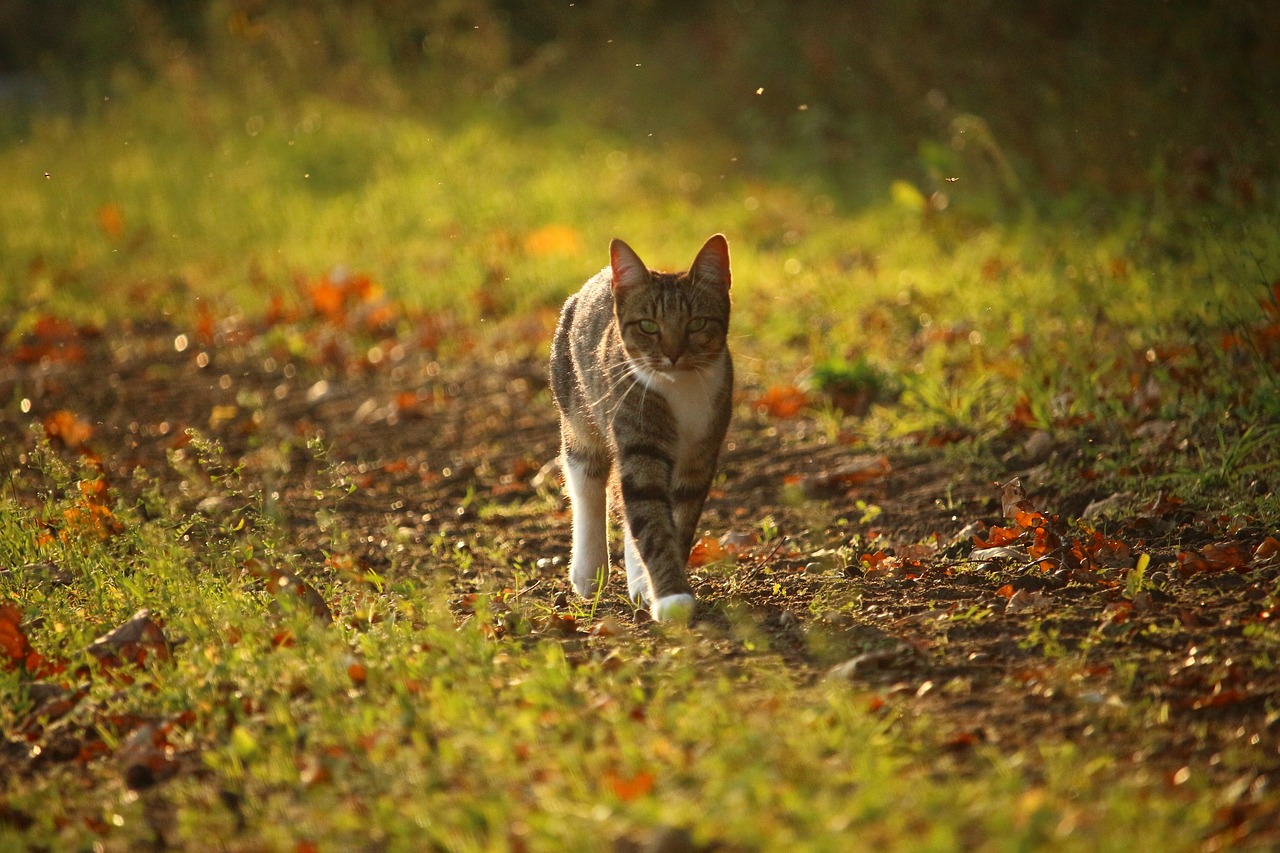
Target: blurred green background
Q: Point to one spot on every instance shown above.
(1013, 177)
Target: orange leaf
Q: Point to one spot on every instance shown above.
(204, 324)
(553, 240)
(997, 536)
(782, 401)
(67, 428)
(1005, 591)
(707, 550)
(357, 673)
(328, 300)
(630, 789)
(1267, 548)
(1028, 519)
(111, 220)
(13, 640)
(1189, 562)
(875, 561)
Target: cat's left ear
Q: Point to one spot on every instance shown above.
(712, 262)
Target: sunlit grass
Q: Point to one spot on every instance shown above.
(180, 192)
(420, 729)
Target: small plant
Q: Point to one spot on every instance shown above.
(854, 386)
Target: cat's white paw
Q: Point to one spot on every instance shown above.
(587, 579)
(638, 591)
(674, 608)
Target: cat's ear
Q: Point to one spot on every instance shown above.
(628, 270)
(712, 263)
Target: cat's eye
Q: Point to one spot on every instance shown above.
(649, 327)
(697, 324)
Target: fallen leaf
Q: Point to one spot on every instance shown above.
(358, 673)
(706, 550)
(552, 240)
(67, 428)
(737, 541)
(997, 536)
(781, 401)
(998, 553)
(282, 582)
(963, 740)
(606, 627)
(133, 642)
(14, 646)
(629, 788)
(1025, 600)
(111, 220)
(1226, 555)
(1218, 557)
(855, 471)
(1267, 548)
(1013, 498)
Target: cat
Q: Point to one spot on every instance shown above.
(643, 379)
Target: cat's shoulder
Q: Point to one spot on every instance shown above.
(601, 281)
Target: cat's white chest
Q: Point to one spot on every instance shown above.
(691, 396)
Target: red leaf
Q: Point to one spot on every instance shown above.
(14, 646)
(628, 789)
(89, 750)
(782, 401)
(357, 673)
(1226, 555)
(1220, 698)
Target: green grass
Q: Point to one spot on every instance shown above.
(447, 738)
(218, 201)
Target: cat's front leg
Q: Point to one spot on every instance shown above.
(655, 567)
(586, 477)
(637, 577)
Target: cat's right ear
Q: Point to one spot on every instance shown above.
(628, 270)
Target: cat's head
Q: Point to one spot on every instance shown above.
(672, 322)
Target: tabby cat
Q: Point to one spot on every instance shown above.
(641, 373)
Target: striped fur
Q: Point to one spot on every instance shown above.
(641, 372)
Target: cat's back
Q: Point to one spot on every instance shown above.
(584, 320)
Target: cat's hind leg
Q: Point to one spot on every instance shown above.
(586, 476)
